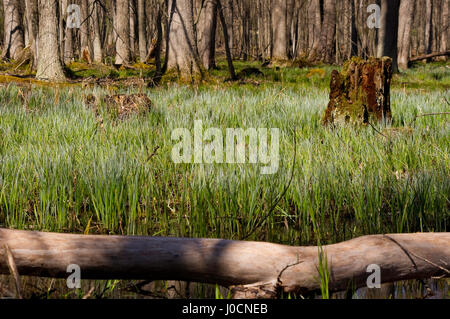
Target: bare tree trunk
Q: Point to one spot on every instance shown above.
(226, 40)
(32, 25)
(134, 45)
(14, 40)
(315, 27)
(428, 26)
(279, 29)
(122, 24)
(445, 29)
(251, 269)
(403, 42)
(49, 66)
(97, 43)
(142, 30)
(68, 37)
(206, 34)
(387, 36)
(85, 52)
(325, 49)
(183, 53)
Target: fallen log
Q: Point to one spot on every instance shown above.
(429, 56)
(250, 269)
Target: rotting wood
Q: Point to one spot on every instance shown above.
(360, 93)
(251, 269)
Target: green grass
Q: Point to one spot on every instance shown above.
(59, 171)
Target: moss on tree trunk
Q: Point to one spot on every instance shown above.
(360, 93)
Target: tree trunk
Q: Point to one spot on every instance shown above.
(14, 40)
(49, 66)
(85, 52)
(324, 49)
(183, 52)
(428, 26)
(251, 269)
(315, 27)
(404, 32)
(327, 37)
(97, 43)
(445, 29)
(387, 36)
(225, 35)
(142, 31)
(279, 30)
(68, 37)
(122, 24)
(32, 15)
(360, 94)
(206, 34)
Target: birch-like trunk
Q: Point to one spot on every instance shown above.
(122, 26)
(141, 30)
(404, 32)
(49, 66)
(183, 53)
(206, 34)
(279, 29)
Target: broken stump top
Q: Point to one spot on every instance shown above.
(360, 93)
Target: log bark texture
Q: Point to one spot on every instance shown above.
(360, 93)
(251, 269)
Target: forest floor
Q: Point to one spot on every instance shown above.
(66, 168)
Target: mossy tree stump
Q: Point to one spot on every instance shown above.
(360, 93)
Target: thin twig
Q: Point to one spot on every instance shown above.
(14, 272)
(429, 114)
(377, 130)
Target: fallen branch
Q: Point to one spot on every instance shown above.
(429, 56)
(251, 269)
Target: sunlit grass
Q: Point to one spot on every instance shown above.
(60, 171)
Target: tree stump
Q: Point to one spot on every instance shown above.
(360, 93)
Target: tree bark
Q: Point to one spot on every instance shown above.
(428, 26)
(445, 29)
(387, 37)
(206, 34)
(251, 269)
(32, 16)
(226, 40)
(49, 66)
(85, 41)
(97, 43)
(122, 24)
(279, 30)
(183, 52)
(14, 40)
(142, 30)
(324, 49)
(403, 42)
(68, 38)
